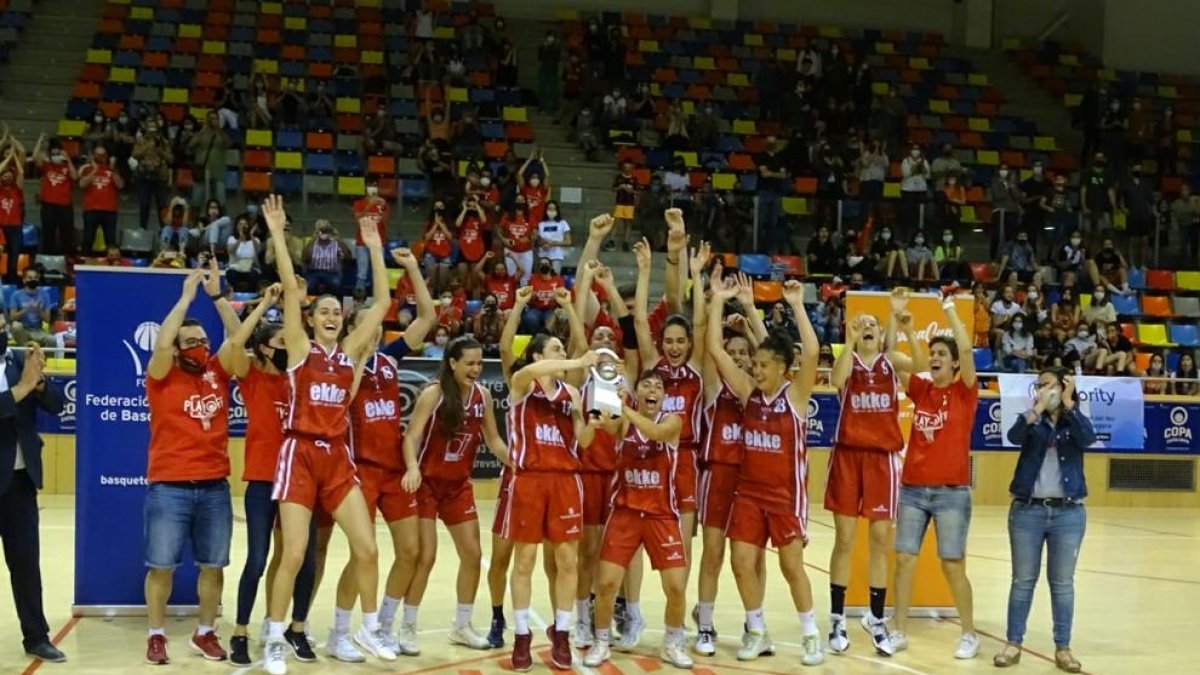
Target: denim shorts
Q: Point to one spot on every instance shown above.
(177, 513)
(950, 509)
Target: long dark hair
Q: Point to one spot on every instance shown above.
(450, 409)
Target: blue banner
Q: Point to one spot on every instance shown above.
(64, 422)
(118, 317)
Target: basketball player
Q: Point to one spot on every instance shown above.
(864, 471)
(451, 417)
(720, 456)
(771, 501)
(644, 515)
(546, 428)
(315, 466)
(264, 388)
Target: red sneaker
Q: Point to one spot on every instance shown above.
(156, 650)
(522, 660)
(560, 649)
(209, 646)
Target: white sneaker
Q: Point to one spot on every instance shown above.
(466, 636)
(814, 654)
(632, 636)
(374, 643)
(266, 632)
(755, 643)
(898, 642)
(597, 655)
(968, 646)
(675, 653)
(406, 640)
(312, 642)
(275, 657)
(839, 641)
(581, 635)
(341, 647)
(706, 643)
(878, 631)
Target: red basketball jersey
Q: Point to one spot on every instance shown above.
(266, 398)
(450, 457)
(684, 390)
(723, 427)
(870, 407)
(541, 432)
(375, 436)
(774, 466)
(320, 393)
(646, 474)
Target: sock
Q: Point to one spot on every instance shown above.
(275, 630)
(808, 622)
(497, 612)
(634, 611)
(462, 615)
(674, 635)
(603, 635)
(878, 597)
(562, 620)
(755, 620)
(157, 631)
(583, 614)
(521, 616)
(202, 629)
(371, 621)
(387, 611)
(410, 613)
(341, 620)
(704, 612)
(837, 599)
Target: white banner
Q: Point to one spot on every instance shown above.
(1114, 405)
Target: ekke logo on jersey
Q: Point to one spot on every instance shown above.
(731, 432)
(673, 404)
(643, 478)
(384, 409)
(326, 394)
(871, 401)
(548, 433)
(761, 440)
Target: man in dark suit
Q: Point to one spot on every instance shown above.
(23, 389)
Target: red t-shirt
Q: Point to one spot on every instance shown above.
(504, 288)
(266, 398)
(939, 446)
(189, 425)
(518, 232)
(101, 194)
(437, 243)
(12, 205)
(372, 205)
(470, 240)
(56, 184)
(543, 291)
(535, 199)
(405, 292)
(870, 412)
(448, 315)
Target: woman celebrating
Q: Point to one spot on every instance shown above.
(439, 256)
(449, 420)
(516, 234)
(546, 428)
(315, 467)
(771, 500)
(243, 250)
(1047, 512)
(644, 515)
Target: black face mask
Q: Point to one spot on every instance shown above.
(279, 359)
(3, 342)
(544, 269)
(31, 283)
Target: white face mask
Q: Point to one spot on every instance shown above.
(440, 340)
(1037, 170)
(1032, 295)
(919, 241)
(1083, 335)
(915, 154)
(485, 181)
(1098, 295)
(947, 238)
(551, 213)
(1076, 242)
(1004, 173)
(372, 190)
(1017, 325)
(534, 182)
(885, 236)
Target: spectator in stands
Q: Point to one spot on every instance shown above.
(494, 278)
(214, 228)
(705, 126)
(437, 122)
(320, 107)
(516, 234)
(1071, 260)
(779, 318)
(651, 205)
(1117, 358)
(436, 347)
(888, 257)
(872, 167)
(151, 166)
(1032, 190)
(1108, 269)
(379, 133)
(893, 120)
(439, 258)
(1186, 382)
(124, 133)
(176, 232)
(625, 187)
(679, 187)
(259, 115)
(1185, 221)
(553, 236)
(12, 207)
(1139, 134)
(828, 318)
(1087, 117)
(821, 257)
(1046, 347)
(297, 250)
(55, 195)
(615, 111)
(99, 130)
(586, 133)
(549, 57)
(452, 306)
(473, 233)
(243, 249)
(534, 184)
(1005, 195)
(111, 258)
(289, 107)
(1057, 207)
(487, 324)
(1112, 133)
(831, 182)
(1136, 201)
(1101, 311)
(1167, 142)
(1016, 345)
(1082, 349)
(169, 259)
(914, 188)
(29, 311)
(1097, 196)
(1018, 257)
(544, 300)
(825, 365)
(852, 254)
(944, 166)
(953, 199)
(228, 104)
(506, 68)
(983, 317)
(949, 258)
(1156, 377)
(920, 259)
(677, 128)
(376, 206)
(1035, 306)
(100, 183)
(1003, 309)
(1066, 315)
(323, 259)
(466, 133)
(772, 180)
(437, 168)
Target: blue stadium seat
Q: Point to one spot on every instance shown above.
(754, 264)
(983, 359)
(1185, 335)
(1137, 278)
(1125, 305)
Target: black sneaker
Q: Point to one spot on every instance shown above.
(298, 641)
(620, 616)
(239, 650)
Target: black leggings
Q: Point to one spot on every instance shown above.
(260, 523)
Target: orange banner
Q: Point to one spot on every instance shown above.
(928, 317)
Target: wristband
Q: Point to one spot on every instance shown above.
(672, 262)
(628, 332)
(216, 296)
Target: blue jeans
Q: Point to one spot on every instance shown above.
(533, 320)
(323, 281)
(1014, 364)
(362, 261)
(770, 208)
(260, 524)
(150, 189)
(1059, 529)
(950, 509)
(176, 513)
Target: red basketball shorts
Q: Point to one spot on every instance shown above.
(314, 473)
(628, 529)
(598, 490)
(718, 482)
(752, 521)
(686, 479)
(544, 506)
(451, 501)
(863, 483)
(502, 497)
(383, 492)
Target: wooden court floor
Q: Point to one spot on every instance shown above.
(1137, 592)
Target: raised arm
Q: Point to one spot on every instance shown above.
(598, 229)
(666, 431)
(426, 319)
(738, 380)
(295, 336)
(525, 167)
(802, 386)
(233, 351)
(586, 305)
(212, 287)
(676, 245)
(523, 378)
(966, 356)
(700, 324)
(745, 298)
(362, 339)
(509, 332)
(641, 318)
(163, 355)
(578, 341)
(845, 361)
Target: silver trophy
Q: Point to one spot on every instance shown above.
(604, 395)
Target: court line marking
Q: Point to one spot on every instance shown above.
(1004, 641)
(1139, 529)
(1122, 575)
(34, 664)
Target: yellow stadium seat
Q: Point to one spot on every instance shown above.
(724, 181)
(351, 186)
(519, 343)
(988, 157)
(1085, 300)
(704, 63)
(787, 55)
(372, 57)
(1188, 281)
(879, 88)
(443, 33)
(968, 214)
(1072, 100)
(939, 106)
(71, 128)
(837, 347)
(198, 112)
(738, 80)
(345, 41)
(752, 40)
(979, 124)
(260, 138)
(700, 22)
(266, 66)
(348, 106)
(457, 94)
(212, 47)
(1044, 143)
(1154, 335)
(795, 206)
(295, 23)
(190, 30)
(515, 114)
(272, 8)
(690, 158)
(175, 95)
(99, 56)
(885, 48)
(977, 79)
(648, 46)
(1184, 135)
(1167, 91)
(393, 277)
(289, 161)
(1068, 59)
(829, 32)
(462, 168)
(566, 14)
(918, 63)
(891, 190)
(122, 75)
(689, 108)
(745, 127)
(141, 13)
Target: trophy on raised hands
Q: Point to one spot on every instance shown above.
(607, 381)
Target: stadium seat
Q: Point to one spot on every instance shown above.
(1187, 306)
(1137, 278)
(1154, 335)
(766, 292)
(1185, 335)
(1125, 305)
(1160, 280)
(754, 265)
(983, 359)
(1188, 281)
(1157, 306)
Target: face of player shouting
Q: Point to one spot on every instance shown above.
(326, 321)
(467, 368)
(677, 344)
(872, 335)
(768, 371)
(650, 396)
(942, 364)
(603, 338)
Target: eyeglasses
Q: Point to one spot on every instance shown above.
(194, 342)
